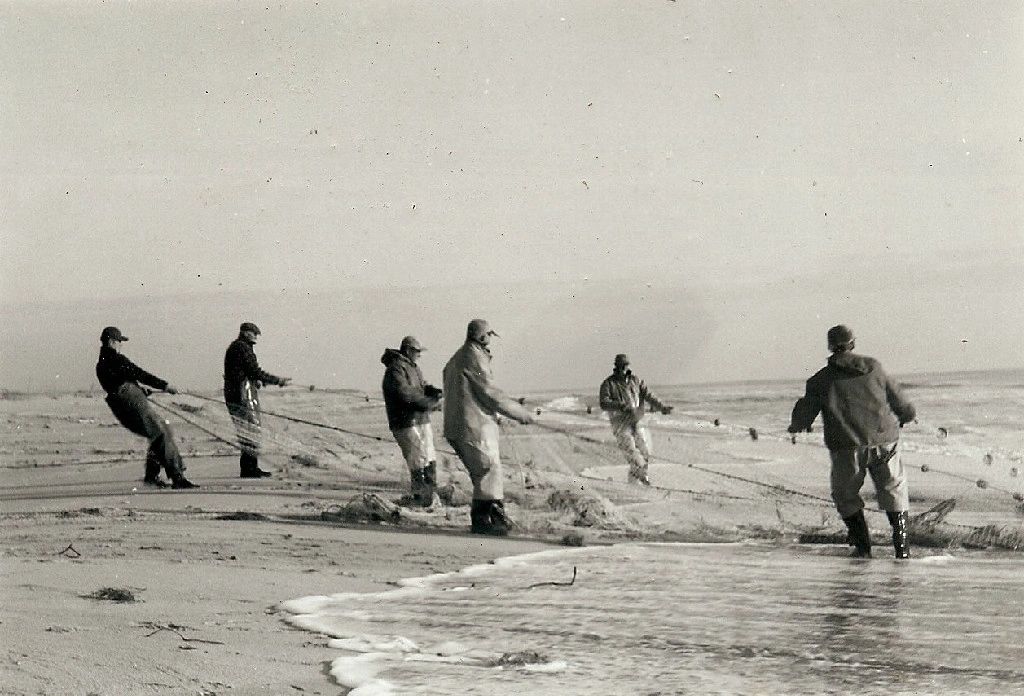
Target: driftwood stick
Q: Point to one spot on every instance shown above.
(556, 584)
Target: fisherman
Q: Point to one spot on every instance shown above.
(862, 410)
(625, 397)
(473, 405)
(242, 381)
(120, 378)
(408, 400)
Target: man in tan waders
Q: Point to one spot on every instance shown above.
(624, 397)
(472, 405)
(862, 410)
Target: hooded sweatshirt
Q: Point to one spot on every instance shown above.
(860, 405)
(405, 398)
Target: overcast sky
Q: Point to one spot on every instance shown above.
(708, 186)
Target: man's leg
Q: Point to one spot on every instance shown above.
(890, 479)
(162, 449)
(410, 441)
(626, 440)
(483, 464)
(847, 477)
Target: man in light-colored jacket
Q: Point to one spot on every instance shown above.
(863, 410)
(472, 406)
(624, 397)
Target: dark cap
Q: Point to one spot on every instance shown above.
(839, 336)
(413, 343)
(249, 326)
(112, 333)
(478, 328)
(621, 359)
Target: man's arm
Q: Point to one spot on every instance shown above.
(903, 409)
(401, 385)
(489, 395)
(136, 373)
(252, 370)
(607, 398)
(805, 411)
(649, 397)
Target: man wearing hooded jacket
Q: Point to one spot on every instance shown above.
(863, 410)
(243, 378)
(472, 405)
(408, 400)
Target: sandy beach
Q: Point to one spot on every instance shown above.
(205, 618)
(209, 567)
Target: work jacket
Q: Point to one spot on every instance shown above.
(240, 365)
(114, 369)
(405, 398)
(472, 401)
(860, 405)
(621, 393)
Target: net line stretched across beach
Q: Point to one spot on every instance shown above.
(713, 477)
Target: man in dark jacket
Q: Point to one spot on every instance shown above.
(624, 397)
(121, 379)
(242, 381)
(409, 400)
(862, 410)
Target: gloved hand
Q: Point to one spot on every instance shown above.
(666, 410)
(433, 392)
(170, 389)
(283, 381)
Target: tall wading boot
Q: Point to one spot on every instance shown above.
(480, 517)
(250, 467)
(429, 483)
(417, 478)
(859, 536)
(900, 522)
(500, 522)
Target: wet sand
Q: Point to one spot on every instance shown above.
(206, 619)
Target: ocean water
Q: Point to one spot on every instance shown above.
(743, 618)
(687, 619)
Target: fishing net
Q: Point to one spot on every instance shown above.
(722, 467)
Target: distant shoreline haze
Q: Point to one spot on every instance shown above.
(552, 334)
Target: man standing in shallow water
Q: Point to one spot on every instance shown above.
(863, 411)
(120, 378)
(472, 405)
(624, 397)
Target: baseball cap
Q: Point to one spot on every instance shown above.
(411, 342)
(112, 333)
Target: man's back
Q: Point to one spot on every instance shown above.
(859, 403)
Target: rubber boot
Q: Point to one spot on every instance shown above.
(249, 467)
(480, 517)
(429, 483)
(417, 485)
(859, 536)
(500, 522)
(899, 522)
